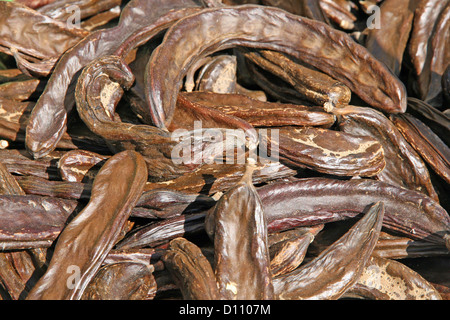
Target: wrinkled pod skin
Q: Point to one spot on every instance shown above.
(313, 42)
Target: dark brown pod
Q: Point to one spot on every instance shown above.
(262, 113)
(77, 165)
(426, 143)
(404, 167)
(242, 262)
(337, 268)
(121, 281)
(388, 46)
(331, 51)
(32, 221)
(313, 201)
(438, 121)
(162, 232)
(116, 189)
(326, 151)
(419, 45)
(313, 85)
(385, 279)
(190, 270)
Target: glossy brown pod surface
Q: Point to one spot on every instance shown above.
(211, 30)
(242, 263)
(313, 201)
(384, 279)
(116, 189)
(338, 267)
(404, 167)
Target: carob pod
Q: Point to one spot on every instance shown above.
(190, 270)
(431, 44)
(404, 167)
(388, 46)
(313, 85)
(262, 113)
(326, 151)
(122, 281)
(97, 94)
(426, 143)
(385, 279)
(395, 247)
(425, 17)
(337, 268)
(438, 121)
(30, 221)
(312, 201)
(78, 165)
(238, 227)
(116, 189)
(312, 42)
(48, 121)
(160, 233)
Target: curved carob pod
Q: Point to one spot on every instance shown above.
(385, 279)
(404, 167)
(312, 42)
(337, 268)
(312, 201)
(116, 190)
(97, 94)
(48, 121)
